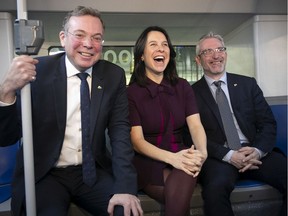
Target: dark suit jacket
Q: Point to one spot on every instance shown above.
(109, 108)
(251, 110)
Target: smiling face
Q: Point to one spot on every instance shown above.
(213, 65)
(83, 53)
(156, 54)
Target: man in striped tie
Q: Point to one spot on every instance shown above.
(248, 150)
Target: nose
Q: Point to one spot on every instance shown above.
(161, 48)
(87, 41)
(215, 54)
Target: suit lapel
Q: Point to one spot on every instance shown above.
(59, 84)
(236, 100)
(96, 93)
(209, 99)
(232, 88)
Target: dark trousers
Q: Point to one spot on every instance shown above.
(61, 186)
(218, 181)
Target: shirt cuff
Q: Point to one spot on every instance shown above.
(228, 156)
(2, 104)
(261, 153)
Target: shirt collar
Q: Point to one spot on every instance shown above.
(155, 88)
(210, 81)
(72, 71)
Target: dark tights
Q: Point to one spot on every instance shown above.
(176, 192)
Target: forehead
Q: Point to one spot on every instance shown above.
(210, 43)
(156, 35)
(86, 23)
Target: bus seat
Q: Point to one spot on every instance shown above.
(7, 164)
(280, 114)
(248, 183)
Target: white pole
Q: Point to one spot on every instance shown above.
(27, 133)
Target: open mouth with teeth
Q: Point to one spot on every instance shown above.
(86, 54)
(216, 62)
(159, 58)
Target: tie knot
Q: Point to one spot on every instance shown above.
(83, 75)
(217, 83)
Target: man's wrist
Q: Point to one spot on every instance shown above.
(6, 98)
(260, 153)
(227, 157)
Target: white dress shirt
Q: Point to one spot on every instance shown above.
(71, 153)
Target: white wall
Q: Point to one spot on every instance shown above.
(258, 48)
(240, 49)
(270, 40)
(6, 42)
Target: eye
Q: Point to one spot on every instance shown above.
(165, 44)
(203, 52)
(79, 35)
(209, 51)
(97, 38)
(221, 49)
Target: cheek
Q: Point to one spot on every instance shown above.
(70, 44)
(98, 48)
(202, 63)
(74, 44)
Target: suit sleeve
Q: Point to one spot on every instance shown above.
(122, 151)
(10, 124)
(214, 133)
(256, 119)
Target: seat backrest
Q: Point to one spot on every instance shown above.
(7, 165)
(7, 162)
(280, 114)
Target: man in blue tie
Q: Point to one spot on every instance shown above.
(255, 129)
(70, 120)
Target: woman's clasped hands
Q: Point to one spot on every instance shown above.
(190, 161)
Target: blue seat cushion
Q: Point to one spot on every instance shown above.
(5, 192)
(7, 165)
(7, 162)
(280, 114)
(248, 183)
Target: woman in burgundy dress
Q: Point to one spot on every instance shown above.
(161, 104)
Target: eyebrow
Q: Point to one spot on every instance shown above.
(82, 31)
(154, 41)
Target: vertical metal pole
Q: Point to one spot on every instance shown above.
(27, 133)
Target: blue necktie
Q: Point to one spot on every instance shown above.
(231, 133)
(88, 162)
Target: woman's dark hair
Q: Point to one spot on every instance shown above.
(138, 75)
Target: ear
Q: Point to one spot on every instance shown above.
(198, 60)
(62, 37)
